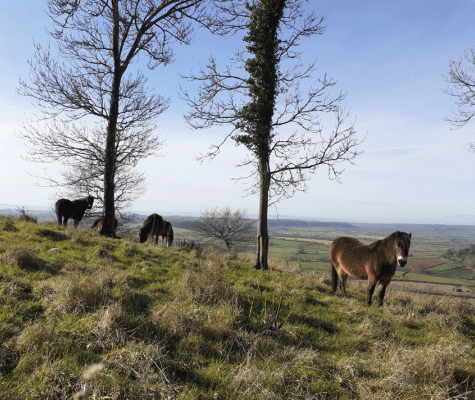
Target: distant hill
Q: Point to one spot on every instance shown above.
(297, 223)
(41, 215)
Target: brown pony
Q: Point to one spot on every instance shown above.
(376, 262)
(167, 233)
(98, 224)
(153, 224)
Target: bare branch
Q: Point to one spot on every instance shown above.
(462, 86)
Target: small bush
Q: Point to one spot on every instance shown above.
(25, 216)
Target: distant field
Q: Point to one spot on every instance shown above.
(432, 279)
(316, 265)
(440, 268)
(425, 263)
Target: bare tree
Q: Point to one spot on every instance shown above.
(266, 108)
(80, 150)
(461, 80)
(232, 228)
(96, 86)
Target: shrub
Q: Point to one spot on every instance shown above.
(25, 216)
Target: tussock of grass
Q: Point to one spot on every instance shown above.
(25, 258)
(192, 323)
(7, 225)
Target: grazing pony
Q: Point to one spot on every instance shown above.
(167, 233)
(152, 225)
(376, 262)
(98, 225)
(66, 209)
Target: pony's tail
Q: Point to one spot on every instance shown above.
(334, 278)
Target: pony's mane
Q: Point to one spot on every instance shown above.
(404, 239)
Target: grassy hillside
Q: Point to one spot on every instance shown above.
(189, 323)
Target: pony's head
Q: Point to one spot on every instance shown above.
(403, 242)
(169, 230)
(89, 202)
(143, 234)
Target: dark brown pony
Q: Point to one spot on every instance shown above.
(98, 224)
(167, 233)
(376, 262)
(152, 225)
(66, 209)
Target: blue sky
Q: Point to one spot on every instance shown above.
(389, 57)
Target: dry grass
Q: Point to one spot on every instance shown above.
(428, 372)
(206, 285)
(78, 294)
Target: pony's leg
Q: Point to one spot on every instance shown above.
(371, 287)
(65, 221)
(334, 279)
(382, 292)
(381, 295)
(60, 222)
(343, 278)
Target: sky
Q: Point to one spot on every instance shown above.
(389, 57)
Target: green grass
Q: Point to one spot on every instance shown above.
(190, 323)
(441, 268)
(316, 265)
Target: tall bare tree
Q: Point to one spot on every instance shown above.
(261, 98)
(461, 80)
(98, 85)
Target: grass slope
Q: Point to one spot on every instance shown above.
(188, 323)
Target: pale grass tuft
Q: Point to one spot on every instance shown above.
(147, 364)
(426, 373)
(206, 285)
(85, 294)
(282, 265)
(80, 395)
(276, 378)
(180, 318)
(111, 315)
(90, 374)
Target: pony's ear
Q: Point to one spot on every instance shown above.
(410, 235)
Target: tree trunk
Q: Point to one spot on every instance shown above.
(110, 153)
(262, 232)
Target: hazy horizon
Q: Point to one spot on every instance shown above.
(44, 209)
